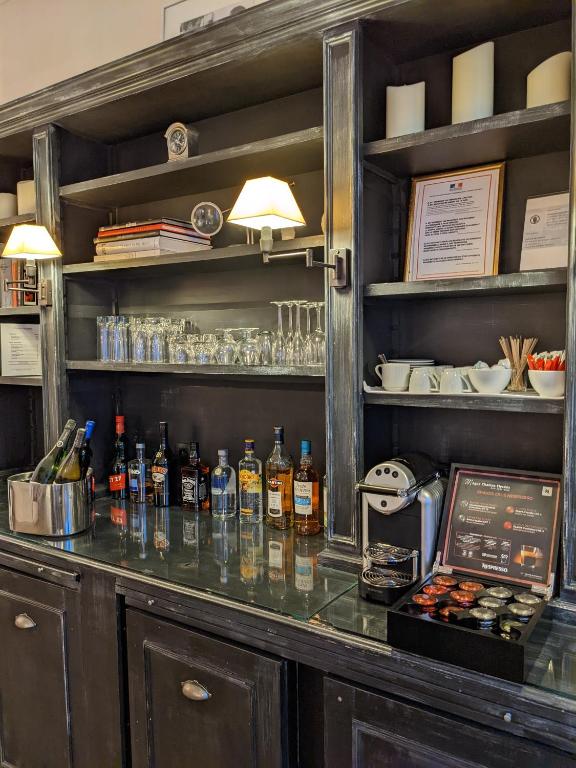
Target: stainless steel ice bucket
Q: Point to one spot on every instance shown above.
(49, 510)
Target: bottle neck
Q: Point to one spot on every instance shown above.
(249, 453)
(223, 461)
(140, 452)
(194, 454)
(163, 436)
(306, 460)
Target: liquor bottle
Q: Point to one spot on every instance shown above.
(224, 541)
(140, 476)
(182, 460)
(86, 450)
(117, 478)
(195, 481)
(250, 485)
(162, 469)
(46, 470)
(305, 565)
(162, 532)
(251, 553)
(70, 469)
(306, 494)
(279, 477)
(279, 555)
(139, 529)
(223, 487)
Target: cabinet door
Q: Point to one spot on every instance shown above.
(367, 730)
(195, 700)
(34, 704)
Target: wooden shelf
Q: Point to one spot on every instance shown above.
(521, 133)
(22, 381)
(24, 218)
(288, 154)
(529, 403)
(19, 311)
(203, 371)
(537, 281)
(214, 255)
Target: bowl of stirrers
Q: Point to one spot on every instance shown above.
(547, 373)
(517, 350)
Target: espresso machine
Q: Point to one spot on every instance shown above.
(401, 507)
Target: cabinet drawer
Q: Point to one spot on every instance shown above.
(367, 729)
(34, 702)
(194, 699)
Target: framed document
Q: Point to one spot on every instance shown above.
(454, 224)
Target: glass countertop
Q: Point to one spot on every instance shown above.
(247, 562)
(275, 570)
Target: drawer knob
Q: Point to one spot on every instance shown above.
(195, 691)
(23, 621)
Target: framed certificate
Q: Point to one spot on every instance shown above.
(454, 224)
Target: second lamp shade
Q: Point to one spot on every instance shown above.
(473, 84)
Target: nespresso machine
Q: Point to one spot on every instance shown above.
(401, 507)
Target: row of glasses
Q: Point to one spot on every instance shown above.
(137, 339)
(290, 346)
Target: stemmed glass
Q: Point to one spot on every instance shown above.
(279, 340)
(290, 334)
(319, 337)
(297, 348)
(309, 351)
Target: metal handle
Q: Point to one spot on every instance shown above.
(195, 691)
(338, 259)
(23, 621)
(384, 490)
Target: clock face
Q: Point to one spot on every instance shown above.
(207, 218)
(177, 141)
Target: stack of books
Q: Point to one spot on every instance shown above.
(142, 239)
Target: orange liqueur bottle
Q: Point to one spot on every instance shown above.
(306, 494)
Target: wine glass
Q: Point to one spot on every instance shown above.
(319, 337)
(297, 338)
(309, 351)
(279, 340)
(290, 334)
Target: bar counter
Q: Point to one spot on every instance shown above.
(252, 566)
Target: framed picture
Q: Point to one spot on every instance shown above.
(546, 229)
(192, 16)
(454, 224)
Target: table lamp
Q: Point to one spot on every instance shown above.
(31, 242)
(266, 204)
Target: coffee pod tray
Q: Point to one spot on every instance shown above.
(493, 574)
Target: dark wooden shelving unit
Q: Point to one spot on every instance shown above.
(21, 381)
(23, 218)
(230, 372)
(292, 153)
(521, 133)
(529, 403)
(537, 281)
(19, 311)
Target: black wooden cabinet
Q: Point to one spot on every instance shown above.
(195, 700)
(35, 710)
(367, 730)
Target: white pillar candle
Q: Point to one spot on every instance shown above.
(26, 192)
(473, 84)
(549, 82)
(405, 109)
(7, 205)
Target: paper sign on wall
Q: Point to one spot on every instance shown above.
(545, 241)
(20, 349)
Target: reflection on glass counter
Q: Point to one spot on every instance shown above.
(249, 562)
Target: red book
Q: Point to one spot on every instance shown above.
(139, 229)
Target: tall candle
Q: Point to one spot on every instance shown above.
(473, 84)
(26, 192)
(405, 109)
(549, 82)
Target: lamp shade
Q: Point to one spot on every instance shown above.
(266, 202)
(30, 241)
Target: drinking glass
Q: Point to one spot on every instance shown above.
(119, 326)
(278, 340)
(178, 348)
(138, 340)
(226, 347)
(309, 350)
(104, 343)
(156, 340)
(249, 351)
(265, 346)
(290, 334)
(297, 348)
(319, 337)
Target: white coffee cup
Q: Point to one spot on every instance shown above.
(8, 205)
(454, 382)
(548, 383)
(423, 381)
(394, 376)
(490, 380)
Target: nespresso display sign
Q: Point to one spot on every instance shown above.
(502, 523)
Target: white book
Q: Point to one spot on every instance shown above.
(159, 242)
(127, 255)
(5, 274)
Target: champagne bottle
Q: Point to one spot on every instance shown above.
(46, 470)
(86, 450)
(70, 469)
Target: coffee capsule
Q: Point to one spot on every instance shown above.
(462, 597)
(521, 612)
(502, 593)
(435, 589)
(490, 602)
(445, 581)
(471, 586)
(527, 598)
(484, 616)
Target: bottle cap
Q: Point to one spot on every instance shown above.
(306, 447)
(141, 445)
(223, 452)
(279, 432)
(194, 447)
(249, 444)
(89, 428)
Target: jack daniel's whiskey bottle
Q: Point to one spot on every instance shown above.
(195, 482)
(162, 469)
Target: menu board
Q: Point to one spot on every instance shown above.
(502, 524)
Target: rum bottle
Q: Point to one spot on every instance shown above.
(117, 478)
(195, 481)
(140, 476)
(46, 470)
(250, 485)
(279, 478)
(306, 494)
(70, 470)
(223, 487)
(162, 469)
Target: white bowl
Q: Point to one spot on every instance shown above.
(548, 383)
(490, 381)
